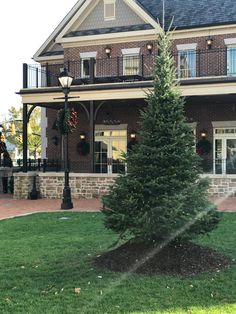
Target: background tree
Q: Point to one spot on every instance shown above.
(162, 197)
(14, 131)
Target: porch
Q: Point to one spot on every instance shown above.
(190, 65)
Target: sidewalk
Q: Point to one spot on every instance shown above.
(12, 208)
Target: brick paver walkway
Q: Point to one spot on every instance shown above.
(12, 208)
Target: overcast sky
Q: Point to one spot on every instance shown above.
(24, 26)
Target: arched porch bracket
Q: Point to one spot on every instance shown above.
(97, 109)
(26, 117)
(85, 109)
(30, 111)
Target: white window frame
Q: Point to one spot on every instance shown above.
(222, 125)
(111, 17)
(188, 48)
(131, 52)
(230, 44)
(87, 56)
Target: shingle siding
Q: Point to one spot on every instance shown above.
(124, 17)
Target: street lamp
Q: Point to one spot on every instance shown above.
(66, 80)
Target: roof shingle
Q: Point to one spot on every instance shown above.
(192, 13)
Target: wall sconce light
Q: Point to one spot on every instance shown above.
(82, 136)
(108, 51)
(209, 42)
(203, 134)
(133, 135)
(149, 47)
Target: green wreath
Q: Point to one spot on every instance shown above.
(66, 120)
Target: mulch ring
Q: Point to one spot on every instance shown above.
(187, 259)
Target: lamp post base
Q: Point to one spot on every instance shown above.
(66, 200)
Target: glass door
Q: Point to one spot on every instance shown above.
(225, 151)
(231, 156)
(101, 156)
(110, 146)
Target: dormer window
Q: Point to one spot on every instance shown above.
(109, 10)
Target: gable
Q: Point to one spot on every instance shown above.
(87, 18)
(124, 16)
(129, 17)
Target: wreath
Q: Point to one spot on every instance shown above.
(83, 148)
(203, 147)
(67, 120)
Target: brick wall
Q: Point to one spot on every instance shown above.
(209, 62)
(126, 112)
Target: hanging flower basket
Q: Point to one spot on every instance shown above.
(67, 120)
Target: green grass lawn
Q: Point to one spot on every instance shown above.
(44, 257)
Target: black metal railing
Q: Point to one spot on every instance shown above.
(219, 166)
(196, 64)
(52, 165)
(209, 166)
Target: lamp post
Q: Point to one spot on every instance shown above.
(66, 80)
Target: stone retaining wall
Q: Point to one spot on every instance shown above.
(50, 185)
(222, 185)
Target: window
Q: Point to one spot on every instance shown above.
(85, 63)
(187, 64)
(109, 10)
(231, 56)
(131, 61)
(187, 60)
(231, 61)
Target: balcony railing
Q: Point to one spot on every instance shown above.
(210, 63)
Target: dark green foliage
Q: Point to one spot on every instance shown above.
(162, 197)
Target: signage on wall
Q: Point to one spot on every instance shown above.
(111, 122)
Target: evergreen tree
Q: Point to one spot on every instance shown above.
(162, 197)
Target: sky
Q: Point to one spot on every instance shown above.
(24, 27)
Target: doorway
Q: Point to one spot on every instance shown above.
(110, 149)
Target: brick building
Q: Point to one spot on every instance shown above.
(109, 47)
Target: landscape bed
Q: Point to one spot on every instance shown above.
(45, 257)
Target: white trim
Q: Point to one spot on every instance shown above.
(80, 16)
(192, 125)
(223, 124)
(58, 29)
(89, 5)
(148, 18)
(88, 55)
(44, 140)
(187, 46)
(92, 39)
(109, 18)
(230, 41)
(130, 51)
(101, 127)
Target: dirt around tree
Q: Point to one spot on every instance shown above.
(187, 259)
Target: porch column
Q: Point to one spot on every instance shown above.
(25, 137)
(91, 135)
